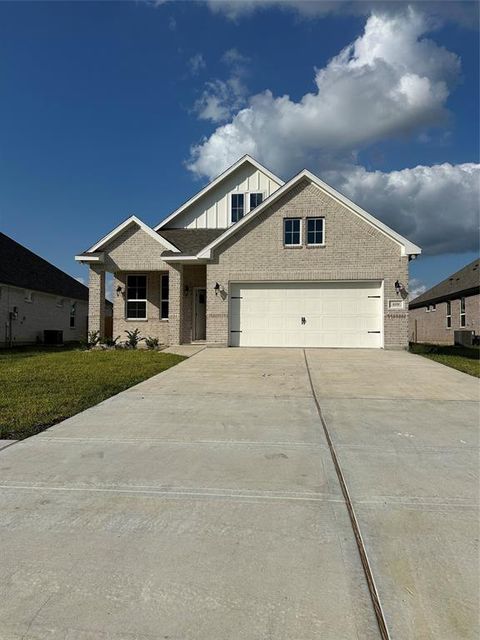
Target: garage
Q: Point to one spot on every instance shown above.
(306, 314)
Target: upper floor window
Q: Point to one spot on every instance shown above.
(315, 230)
(238, 206)
(462, 313)
(255, 200)
(136, 297)
(449, 314)
(164, 296)
(292, 232)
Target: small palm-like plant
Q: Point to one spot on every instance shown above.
(93, 339)
(152, 342)
(133, 338)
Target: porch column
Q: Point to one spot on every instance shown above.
(175, 284)
(96, 300)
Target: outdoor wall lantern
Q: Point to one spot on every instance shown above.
(400, 289)
(218, 288)
(119, 290)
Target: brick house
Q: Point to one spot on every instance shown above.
(253, 261)
(450, 306)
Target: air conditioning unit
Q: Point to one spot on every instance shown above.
(52, 337)
(464, 338)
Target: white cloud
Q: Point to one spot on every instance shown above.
(464, 13)
(390, 82)
(197, 63)
(416, 288)
(437, 207)
(222, 98)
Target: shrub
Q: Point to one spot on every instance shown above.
(110, 342)
(93, 339)
(133, 338)
(151, 342)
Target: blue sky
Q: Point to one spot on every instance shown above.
(113, 108)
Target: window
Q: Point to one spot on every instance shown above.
(315, 230)
(255, 200)
(28, 296)
(238, 206)
(164, 296)
(292, 232)
(136, 297)
(449, 315)
(73, 314)
(462, 313)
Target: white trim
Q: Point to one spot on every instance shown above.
(99, 257)
(407, 247)
(166, 274)
(315, 244)
(293, 246)
(216, 181)
(127, 299)
(448, 316)
(181, 259)
(133, 220)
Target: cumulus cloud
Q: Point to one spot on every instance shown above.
(196, 64)
(390, 82)
(436, 207)
(220, 99)
(464, 13)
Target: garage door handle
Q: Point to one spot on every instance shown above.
(303, 320)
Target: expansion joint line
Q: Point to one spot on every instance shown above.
(372, 587)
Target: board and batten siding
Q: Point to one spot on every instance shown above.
(212, 211)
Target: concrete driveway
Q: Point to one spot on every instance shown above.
(203, 504)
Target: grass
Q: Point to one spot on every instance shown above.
(466, 359)
(40, 387)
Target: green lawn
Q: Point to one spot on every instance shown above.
(41, 387)
(466, 359)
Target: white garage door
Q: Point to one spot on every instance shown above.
(306, 314)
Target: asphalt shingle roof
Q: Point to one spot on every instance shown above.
(467, 279)
(22, 268)
(189, 241)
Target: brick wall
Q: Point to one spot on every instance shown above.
(42, 313)
(431, 326)
(353, 250)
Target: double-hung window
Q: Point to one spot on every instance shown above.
(292, 232)
(463, 322)
(164, 296)
(255, 200)
(238, 206)
(136, 297)
(449, 314)
(315, 231)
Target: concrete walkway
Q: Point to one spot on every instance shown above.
(203, 504)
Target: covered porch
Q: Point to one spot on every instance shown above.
(169, 304)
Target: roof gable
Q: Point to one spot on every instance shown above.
(407, 247)
(126, 223)
(217, 182)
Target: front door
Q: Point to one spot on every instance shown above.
(200, 314)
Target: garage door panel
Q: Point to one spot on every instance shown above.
(336, 314)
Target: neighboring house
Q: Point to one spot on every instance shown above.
(36, 296)
(253, 261)
(450, 306)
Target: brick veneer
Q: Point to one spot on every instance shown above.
(353, 250)
(431, 326)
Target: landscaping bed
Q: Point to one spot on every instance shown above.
(466, 359)
(40, 387)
